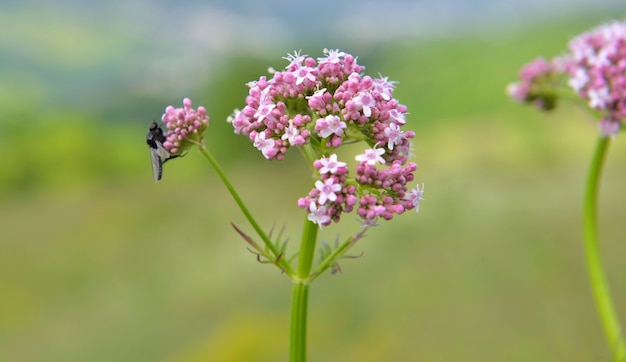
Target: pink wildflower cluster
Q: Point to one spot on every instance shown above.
(538, 80)
(321, 105)
(183, 126)
(332, 194)
(597, 69)
(393, 178)
(279, 112)
(379, 193)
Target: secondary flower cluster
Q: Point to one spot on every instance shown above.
(595, 68)
(183, 126)
(538, 83)
(320, 105)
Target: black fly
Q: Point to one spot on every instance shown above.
(158, 153)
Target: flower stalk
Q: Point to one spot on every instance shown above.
(275, 253)
(594, 68)
(599, 284)
(300, 293)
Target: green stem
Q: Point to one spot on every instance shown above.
(282, 262)
(300, 294)
(299, 301)
(307, 250)
(599, 284)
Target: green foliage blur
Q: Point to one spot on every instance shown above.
(99, 263)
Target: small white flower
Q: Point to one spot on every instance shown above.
(318, 215)
(598, 98)
(291, 132)
(295, 58)
(394, 134)
(415, 196)
(329, 125)
(397, 116)
(372, 156)
(328, 190)
(333, 56)
(262, 144)
(264, 111)
(330, 164)
(364, 101)
(317, 93)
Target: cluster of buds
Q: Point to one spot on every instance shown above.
(184, 126)
(595, 68)
(538, 84)
(321, 105)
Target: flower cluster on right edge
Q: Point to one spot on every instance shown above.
(320, 105)
(594, 68)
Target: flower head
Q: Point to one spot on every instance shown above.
(596, 65)
(538, 80)
(184, 126)
(321, 104)
(594, 68)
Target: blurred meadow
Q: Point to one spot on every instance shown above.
(99, 263)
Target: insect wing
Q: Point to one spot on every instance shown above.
(157, 164)
(158, 153)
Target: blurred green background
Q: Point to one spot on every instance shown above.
(99, 263)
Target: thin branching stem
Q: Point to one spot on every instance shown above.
(280, 262)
